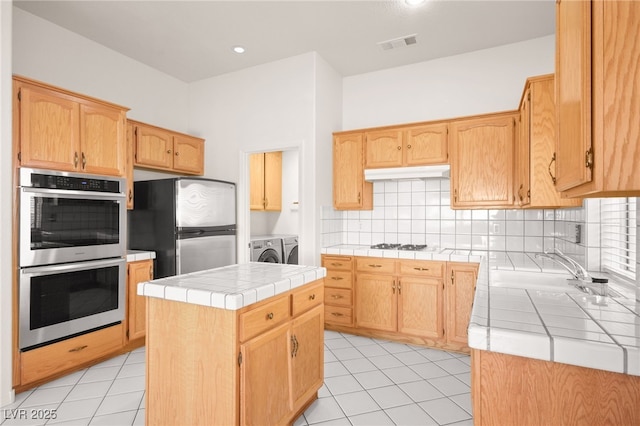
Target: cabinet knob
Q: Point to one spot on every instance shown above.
(399, 147)
(409, 146)
(270, 315)
(312, 297)
(168, 151)
(177, 153)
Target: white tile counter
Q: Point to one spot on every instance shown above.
(232, 287)
(138, 255)
(568, 327)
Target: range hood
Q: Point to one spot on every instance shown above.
(408, 173)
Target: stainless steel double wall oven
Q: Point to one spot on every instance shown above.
(72, 254)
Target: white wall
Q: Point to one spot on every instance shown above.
(6, 286)
(484, 81)
(54, 55)
(263, 108)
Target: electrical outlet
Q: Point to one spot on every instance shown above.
(578, 233)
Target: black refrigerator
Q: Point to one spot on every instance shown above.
(190, 223)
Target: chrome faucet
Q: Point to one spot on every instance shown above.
(581, 279)
(574, 268)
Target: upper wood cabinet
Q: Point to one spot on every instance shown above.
(162, 149)
(406, 146)
(350, 191)
(597, 92)
(534, 186)
(129, 164)
(265, 177)
(482, 157)
(61, 130)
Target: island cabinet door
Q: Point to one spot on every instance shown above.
(307, 355)
(265, 397)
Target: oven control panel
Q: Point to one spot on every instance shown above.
(39, 180)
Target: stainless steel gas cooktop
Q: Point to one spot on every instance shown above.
(407, 247)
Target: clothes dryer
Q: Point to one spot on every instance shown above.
(266, 249)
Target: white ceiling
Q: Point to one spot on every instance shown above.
(193, 40)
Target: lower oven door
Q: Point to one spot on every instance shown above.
(61, 301)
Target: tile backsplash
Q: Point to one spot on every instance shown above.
(419, 212)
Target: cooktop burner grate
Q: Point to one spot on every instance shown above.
(407, 247)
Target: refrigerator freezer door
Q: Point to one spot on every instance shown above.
(205, 203)
(198, 254)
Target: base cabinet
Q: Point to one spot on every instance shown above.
(416, 301)
(137, 272)
(262, 364)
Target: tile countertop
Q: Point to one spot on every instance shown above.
(138, 255)
(232, 287)
(572, 328)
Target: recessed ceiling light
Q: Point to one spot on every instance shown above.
(414, 2)
(238, 49)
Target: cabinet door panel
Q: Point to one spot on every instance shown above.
(273, 181)
(265, 397)
(426, 145)
(103, 144)
(383, 149)
(420, 307)
(350, 191)
(49, 130)
(573, 93)
(482, 162)
(376, 302)
(154, 148)
(307, 371)
(137, 272)
(460, 290)
(256, 181)
(188, 154)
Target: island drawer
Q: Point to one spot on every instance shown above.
(340, 279)
(376, 265)
(337, 296)
(261, 319)
(338, 315)
(307, 297)
(424, 268)
(342, 263)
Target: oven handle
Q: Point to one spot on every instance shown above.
(75, 266)
(83, 194)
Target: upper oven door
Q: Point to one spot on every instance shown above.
(68, 226)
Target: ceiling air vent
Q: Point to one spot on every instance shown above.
(396, 43)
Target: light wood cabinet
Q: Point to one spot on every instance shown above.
(350, 191)
(262, 364)
(129, 164)
(534, 186)
(137, 272)
(597, 148)
(482, 156)
(69, 355)
(406, 146)
(161, 149)
(265, 177)
(61, 130)
(338, 290)
(401, 296)
(459, 292)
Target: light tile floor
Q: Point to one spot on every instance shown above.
(367, 382)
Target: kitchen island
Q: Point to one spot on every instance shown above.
(241, 344)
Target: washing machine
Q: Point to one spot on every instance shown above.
(290, 249)
(266, 249)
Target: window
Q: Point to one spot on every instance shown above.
(618, 233)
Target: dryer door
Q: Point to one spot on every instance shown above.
(269, 256)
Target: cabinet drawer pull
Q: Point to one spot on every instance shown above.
(337, 278)
(337, 314)
(399, 148)
(78, 349)
(270, 316)
(336, 264)
(168, 151)
(336, 296)
(553, 159)
(375, 266)
(177, 153)
(409, 146)
(84, 161)
(312, 297)
(75, 160)
(421, 269)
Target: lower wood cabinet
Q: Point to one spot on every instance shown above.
(418, 301)
(69, 355)
(262, 364)
(137, 272)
